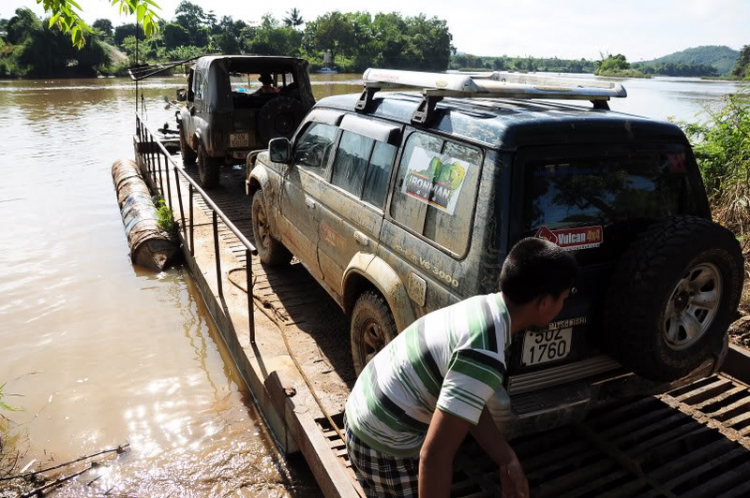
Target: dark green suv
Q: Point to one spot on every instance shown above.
(403, 203)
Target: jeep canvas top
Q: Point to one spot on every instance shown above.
(411, 201)
(225, 119)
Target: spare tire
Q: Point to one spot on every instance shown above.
(672, 297)
(279, 118)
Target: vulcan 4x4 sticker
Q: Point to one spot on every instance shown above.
(572, 239)
(435, 179)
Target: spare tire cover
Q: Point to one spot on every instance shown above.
(672, 297)
(279, 117)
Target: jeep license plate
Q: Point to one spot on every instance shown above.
(547, 345)
(239, 140)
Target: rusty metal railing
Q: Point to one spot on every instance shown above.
(152, 156)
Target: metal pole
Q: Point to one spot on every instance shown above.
(192, 240)
(250, 309)
(179, 198)
(161, 179)
(166, 173)
(218, 256)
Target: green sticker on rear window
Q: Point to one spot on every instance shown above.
(435, 179)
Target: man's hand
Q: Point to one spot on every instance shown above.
(492, 440)
(514, 480)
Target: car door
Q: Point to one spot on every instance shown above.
(302, 186)
(351, 211)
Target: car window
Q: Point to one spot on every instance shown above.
(435, 190)
(376, 183)
(314, 147)
(351, 162)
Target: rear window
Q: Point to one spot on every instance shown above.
(602, 191)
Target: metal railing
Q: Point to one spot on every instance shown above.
(152, 156)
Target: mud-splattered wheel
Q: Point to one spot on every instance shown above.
(371, 328)
(208, 169)
(270, 250)
(188, 154)
(672, 297)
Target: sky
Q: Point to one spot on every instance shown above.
(570, 29)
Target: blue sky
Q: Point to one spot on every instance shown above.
(640, 29)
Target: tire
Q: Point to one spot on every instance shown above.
(188, 154)
(372, 327)
(270, 251)
(279, 117)
(672, 297)
(208, 169)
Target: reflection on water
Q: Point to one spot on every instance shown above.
(105, 353)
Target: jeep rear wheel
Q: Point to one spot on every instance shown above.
(188, 154)
(672, 297)
(208, 169)
(371, 328)
(279, 118)
(270, 250)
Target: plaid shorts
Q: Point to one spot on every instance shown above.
(381, 475)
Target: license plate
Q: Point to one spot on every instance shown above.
(547, 345)
(239, 139)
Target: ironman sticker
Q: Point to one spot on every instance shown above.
(572, 239)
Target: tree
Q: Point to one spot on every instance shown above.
(293, 19)
(190, 16)
(64, 14)
(333, 34)
(22, 25)
(741, 68)
(104, 25)
(175, 36)
(125, 30)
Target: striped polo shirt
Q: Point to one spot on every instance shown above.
(452, 359)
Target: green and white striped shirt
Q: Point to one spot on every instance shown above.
(452, 359)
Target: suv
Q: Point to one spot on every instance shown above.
(224, 122)
(401, 203)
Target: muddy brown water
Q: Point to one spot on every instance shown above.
(105, 353)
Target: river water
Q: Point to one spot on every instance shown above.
(105, 353)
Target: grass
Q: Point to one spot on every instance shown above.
(166, 219)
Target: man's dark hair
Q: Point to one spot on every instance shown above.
(535, 268)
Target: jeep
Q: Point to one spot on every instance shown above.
(223, 122)
(401, 203)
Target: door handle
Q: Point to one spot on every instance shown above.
(361, 238)
(310, 203)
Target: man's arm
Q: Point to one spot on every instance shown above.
(444, 436)
(492, 440)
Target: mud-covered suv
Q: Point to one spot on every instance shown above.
(223, 121)
(403, 203)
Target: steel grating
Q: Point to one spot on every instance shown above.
(691, 442)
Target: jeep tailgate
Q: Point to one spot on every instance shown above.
(593, 200)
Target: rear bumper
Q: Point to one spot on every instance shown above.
(553, 407)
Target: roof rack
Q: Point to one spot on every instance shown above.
(498, 84)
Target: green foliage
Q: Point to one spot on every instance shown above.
(722, 149)
(65, 14)
(722, 58)
(104, 26)
(673, 69)
(166, 220)
(293, 19)
(468, 62)
(175, 35)
(741, 68)
(4, 405)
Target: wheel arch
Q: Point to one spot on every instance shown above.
(369, 272)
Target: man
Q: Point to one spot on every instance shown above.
(267, 87)
(415, 401)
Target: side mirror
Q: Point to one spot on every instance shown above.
(192, 110)
(280, 150)
(181, 94)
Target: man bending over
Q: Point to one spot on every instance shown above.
(415, 401)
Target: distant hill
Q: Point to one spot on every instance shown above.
(719, 56)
